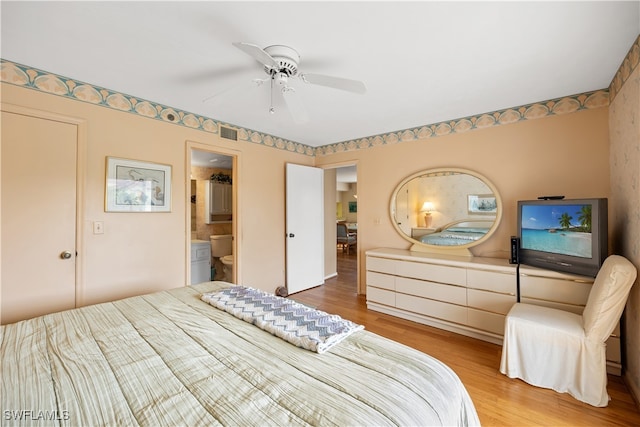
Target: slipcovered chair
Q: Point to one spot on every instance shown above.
(564, 351)
(345, 239)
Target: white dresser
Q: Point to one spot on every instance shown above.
(469, 295)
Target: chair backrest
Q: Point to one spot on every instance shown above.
(608, 297)
(342, 230)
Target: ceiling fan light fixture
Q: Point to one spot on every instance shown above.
(286, 57)
(280, 63)
(281, 78)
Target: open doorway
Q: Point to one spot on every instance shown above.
(343, 258)
(347, 196)
(212, 217)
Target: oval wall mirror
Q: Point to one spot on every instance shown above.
(446, 210)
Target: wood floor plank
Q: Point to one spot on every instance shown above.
(499, 400)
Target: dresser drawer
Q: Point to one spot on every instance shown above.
(563, 291)
(490, 301)
(577, 309)
(381, 296)
(485, 321)
(433, 273)
(380, 280)
(494, 281)
(381, 265)
(431, 308)
(437, 291)
(614, 349)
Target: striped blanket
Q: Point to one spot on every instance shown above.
(295, 323)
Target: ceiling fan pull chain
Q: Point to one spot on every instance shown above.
(271, 109)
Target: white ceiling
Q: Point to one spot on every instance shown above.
(347, 174)
(422, 62)
(209, 159)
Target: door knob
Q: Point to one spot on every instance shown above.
(292, 235)
(66, 255)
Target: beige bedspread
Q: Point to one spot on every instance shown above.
(169, 359)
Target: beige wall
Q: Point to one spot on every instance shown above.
(565, 154)
(624, 121)
(145, 252)
(346, 197)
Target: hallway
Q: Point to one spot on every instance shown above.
(338, 295)
(347, 266)
(339, 291)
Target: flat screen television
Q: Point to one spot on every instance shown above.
(563, 235)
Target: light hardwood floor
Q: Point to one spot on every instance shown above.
(499, 400)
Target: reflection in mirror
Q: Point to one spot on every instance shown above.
(445, 210)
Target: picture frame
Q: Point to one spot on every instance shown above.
(482, 204)
(353, 207)
(137, 186)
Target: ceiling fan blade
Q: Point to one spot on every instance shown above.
(212, 74)
(349, 85)
(257, 53)
(254, 83)
(295, 105)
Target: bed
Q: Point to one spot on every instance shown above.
(170, 358)
(458, 233)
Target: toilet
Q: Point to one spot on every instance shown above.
(227, 267)
(222, 255)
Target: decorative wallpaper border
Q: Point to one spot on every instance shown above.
(627, 67)
(565, 105)
(32, 78)
(21, 75)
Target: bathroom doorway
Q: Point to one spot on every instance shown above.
(212, 202)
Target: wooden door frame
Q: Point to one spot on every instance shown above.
(81, 155)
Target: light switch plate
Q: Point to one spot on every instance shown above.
(98, 227)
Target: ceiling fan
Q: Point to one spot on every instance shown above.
(280, 63)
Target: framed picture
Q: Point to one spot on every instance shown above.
(135, 186)
(353, 207)
(482, 204)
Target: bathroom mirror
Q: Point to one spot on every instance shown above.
(446, 210)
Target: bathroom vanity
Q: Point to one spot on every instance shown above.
(200, 261)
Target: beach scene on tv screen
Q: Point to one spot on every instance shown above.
(563, 229)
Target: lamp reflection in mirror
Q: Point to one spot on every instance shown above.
(447, 188)
(427, 207)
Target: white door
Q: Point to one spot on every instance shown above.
(38, 225)
(402, 211)
(304, 227)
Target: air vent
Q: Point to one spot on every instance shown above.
(228, 133)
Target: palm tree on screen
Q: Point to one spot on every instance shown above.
(585, 218)
(565, 220)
